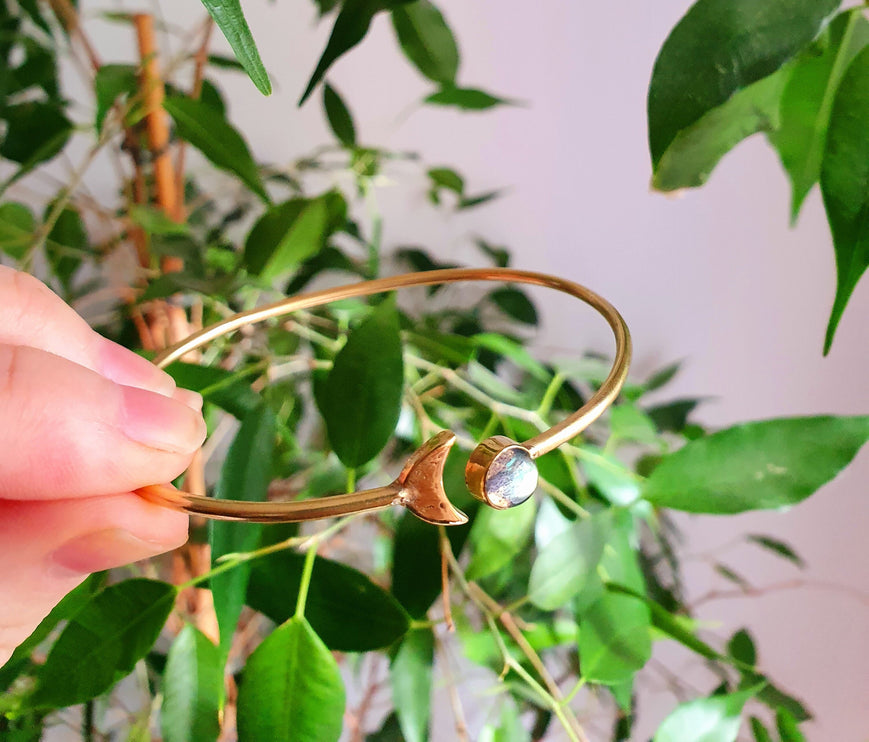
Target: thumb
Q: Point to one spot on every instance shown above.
(49, 547)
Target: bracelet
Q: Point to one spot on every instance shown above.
(500, 471)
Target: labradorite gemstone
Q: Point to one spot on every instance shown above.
(511, 478)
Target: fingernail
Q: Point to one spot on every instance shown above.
(125, 367)
(101, 550)
(160, 422)
(186, 397)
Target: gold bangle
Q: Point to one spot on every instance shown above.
(500, 471)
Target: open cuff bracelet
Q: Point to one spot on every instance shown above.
(500, 471)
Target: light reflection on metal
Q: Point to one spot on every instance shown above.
(500, 472)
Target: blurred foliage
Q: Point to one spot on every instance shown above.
(559, 602)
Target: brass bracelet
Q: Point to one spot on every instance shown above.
(500, 471)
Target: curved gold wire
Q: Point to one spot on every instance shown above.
(500, 472)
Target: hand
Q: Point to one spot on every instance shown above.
(83, 422)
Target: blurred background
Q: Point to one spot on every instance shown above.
(714, 276)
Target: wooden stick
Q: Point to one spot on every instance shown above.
(157, 127)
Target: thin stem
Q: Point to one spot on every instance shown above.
(549, 395)
(87, 721)
(305, 584)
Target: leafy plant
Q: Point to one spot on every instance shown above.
(557, 602)
(798, 71)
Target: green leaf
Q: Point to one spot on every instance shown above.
(497, 537)
(714, 719)
(741, 647)
(694, 151)
(292, 689)
(427, 41)
(758, 465)
(468, 99)
(672, 417)
(208, 131)
(609, 476)
(515, 304)
(66, 244)
(759, 731)
(787, 726)
(632, 424)
(155, 221)
(192, 689)
(615, 639)
(719, 48)
(807, 102)
(225, 63)
(678, 628)
(662, 377)
(230, 20)
(346, 609)
(71, 603)
(515, 352)
(390, 731)
(111, 81)
(338, 115)
(227, 389)
(102, 642)
(350, 28)
(35, 132)
(568, 563)
(445, 177)
(17, 226)
(777, 547)
(245, 475)
(410, 675)
(288, 234)
(361, 396)
(845, 184)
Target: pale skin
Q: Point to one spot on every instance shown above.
(83, 423)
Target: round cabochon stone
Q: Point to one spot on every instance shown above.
(511, 478)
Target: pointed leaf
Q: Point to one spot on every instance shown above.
(361, 396)
(426, 40)
(787, 727)
(288, 234)
(229, 390)
(845, 184)
(208, 131)
(192, 689)
(230, 20)
(350, 28)
(468, 99)
(759, 731)
(777, 547)
(515, 304)
(346, 609)
(17, 226)
(245, 475)
(71, 603)
(497, 536)
(410, 675)
(714, 719)
(807, 102)
(338, 115)
(568, 562)
(741, 647)
(758, 465)
(615, 638)
(292, 689)
(35, 132)
(718, 48)
(110, 82)
(695, 150)
(102, 642)
(672, 417)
